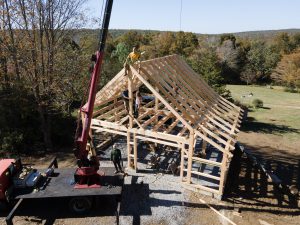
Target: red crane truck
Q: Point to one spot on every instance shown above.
(19, 182)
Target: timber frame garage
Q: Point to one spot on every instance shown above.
(181, 111)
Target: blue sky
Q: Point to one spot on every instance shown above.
(210, 16)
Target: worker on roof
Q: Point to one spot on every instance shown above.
(132, 58)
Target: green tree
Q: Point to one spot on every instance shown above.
(205, 62)
(121, 52)
(284, 43)
(131, 39)
(296, 40)
(261, 60)
(225, 37)
(184, 43)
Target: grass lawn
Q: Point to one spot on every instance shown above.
(280, 114)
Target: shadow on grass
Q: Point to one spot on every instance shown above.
(251, 125)
(264, 107)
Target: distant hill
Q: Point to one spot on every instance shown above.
(264, 34)
(245, 34)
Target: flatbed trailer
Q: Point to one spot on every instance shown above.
(60, 184)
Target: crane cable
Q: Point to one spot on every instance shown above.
(101, 22)
(180, 15)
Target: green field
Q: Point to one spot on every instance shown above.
(280, 114)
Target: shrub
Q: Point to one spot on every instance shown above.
(241, 104)
(257, 103)
(290, 89)
(11, 142)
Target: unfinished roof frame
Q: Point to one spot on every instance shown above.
(181, 96)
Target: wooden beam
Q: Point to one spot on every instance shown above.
(129, 75)
(210, 133)
(181, 161)
(152, 119)
(158, 141)
(161, 98)
(190, 155)
(112, 112)
(162, 121)
(135, 151)
(109, 130)
(160, 135)
(106, 108)
(190, 88)
(204, 175)
(205, 161)
(164, 78)
(199, 186)
(172, 126)
(217, 146)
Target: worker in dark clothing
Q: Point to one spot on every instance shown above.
(125, 97)
(116, 157)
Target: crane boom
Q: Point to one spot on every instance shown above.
(86, 111)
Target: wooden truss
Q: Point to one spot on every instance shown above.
(181, 110)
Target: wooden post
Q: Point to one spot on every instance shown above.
(128, 149)
(190, 155)
(223, 170)
(182, 161)
(135, 151)
(204, 144)
(130, 95)
(116, 117)
(156, 103)
(222, 177)
(130, 98)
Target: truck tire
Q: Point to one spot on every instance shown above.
(80, 205)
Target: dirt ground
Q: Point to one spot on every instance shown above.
(250, 198)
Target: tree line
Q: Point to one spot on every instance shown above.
(41, 69)
(45, 66)
(227, 59)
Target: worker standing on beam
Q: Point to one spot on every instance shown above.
(132, 58)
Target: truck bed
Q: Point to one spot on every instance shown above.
(61, 184)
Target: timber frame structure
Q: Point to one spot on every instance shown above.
(181, 111)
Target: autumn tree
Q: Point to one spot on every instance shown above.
(287, 71)
(38, 42)
(163, 43)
